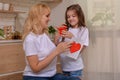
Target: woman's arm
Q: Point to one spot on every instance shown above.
(37, 65)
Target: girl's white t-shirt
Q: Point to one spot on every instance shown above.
(81, 35)
(41, 46)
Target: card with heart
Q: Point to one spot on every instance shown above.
(75, 50)
(75, 47)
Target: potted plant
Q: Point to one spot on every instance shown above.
(51, 31)
(2, 34)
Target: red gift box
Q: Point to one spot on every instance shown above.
(61, 28)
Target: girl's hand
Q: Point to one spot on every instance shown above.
(67, 34)
(63, 46)
(56, 38)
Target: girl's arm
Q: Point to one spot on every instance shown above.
(83, 48)
(37, 65)
(56, 38)
(67, 34)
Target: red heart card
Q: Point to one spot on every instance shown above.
(75, 47)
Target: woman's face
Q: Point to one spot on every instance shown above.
(72, 18)
(45, 19)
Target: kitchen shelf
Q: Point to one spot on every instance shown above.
(12, 12)
(6, 31)
(50, 1)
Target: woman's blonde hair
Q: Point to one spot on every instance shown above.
(33, 21)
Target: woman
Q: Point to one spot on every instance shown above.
(39, 49)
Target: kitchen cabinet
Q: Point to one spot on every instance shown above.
(12, 61)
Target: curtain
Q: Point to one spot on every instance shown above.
(102, 56)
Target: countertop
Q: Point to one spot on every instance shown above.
(10, 41)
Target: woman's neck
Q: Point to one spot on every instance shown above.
(38, 32)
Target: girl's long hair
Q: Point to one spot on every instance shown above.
(33, 21)
(79, 12)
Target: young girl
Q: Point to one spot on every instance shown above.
(77, 32)
(40, 51)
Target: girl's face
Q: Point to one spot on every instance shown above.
(72, 18)
(45, 19)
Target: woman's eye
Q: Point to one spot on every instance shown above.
(48, 15)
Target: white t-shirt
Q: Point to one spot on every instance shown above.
(81, 36)
(41, 46)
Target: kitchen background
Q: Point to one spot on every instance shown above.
(101, 58)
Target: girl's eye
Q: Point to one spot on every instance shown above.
(71, 16)
(74, 16)
(68, 16)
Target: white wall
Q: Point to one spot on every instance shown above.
(58, 13)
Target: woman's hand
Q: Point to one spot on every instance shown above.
(63, 46)
(67, 34)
